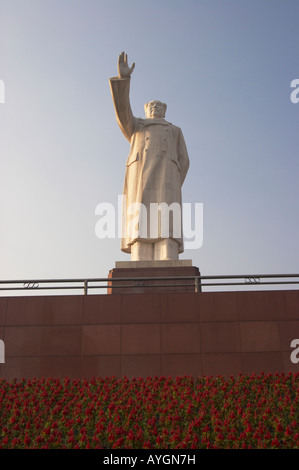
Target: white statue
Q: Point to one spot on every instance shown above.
(155, 171)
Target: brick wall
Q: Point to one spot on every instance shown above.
(205, 333)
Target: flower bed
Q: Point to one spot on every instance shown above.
(257, 411)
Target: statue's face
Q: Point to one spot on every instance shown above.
(155, 109)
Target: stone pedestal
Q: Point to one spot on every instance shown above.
(143, 277)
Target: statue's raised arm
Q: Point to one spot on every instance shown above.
(120, 90)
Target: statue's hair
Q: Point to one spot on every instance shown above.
(146, 106)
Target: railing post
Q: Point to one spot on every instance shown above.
(196, 284)
(85, 287)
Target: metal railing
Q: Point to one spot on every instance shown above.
(198, 283)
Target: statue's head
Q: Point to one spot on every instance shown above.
(155, 109)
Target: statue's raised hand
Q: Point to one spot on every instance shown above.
(124, 71)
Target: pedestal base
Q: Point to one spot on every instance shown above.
(142, 277)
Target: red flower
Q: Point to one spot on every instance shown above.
(275, 443)
(279, 427)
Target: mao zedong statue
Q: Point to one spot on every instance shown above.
(155, 171)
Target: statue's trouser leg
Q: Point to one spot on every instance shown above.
(166, 249)
(142, 251)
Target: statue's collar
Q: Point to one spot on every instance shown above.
(151, 122)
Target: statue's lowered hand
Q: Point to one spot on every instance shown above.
(124, 71)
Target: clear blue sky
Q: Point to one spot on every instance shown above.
(224, 68)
